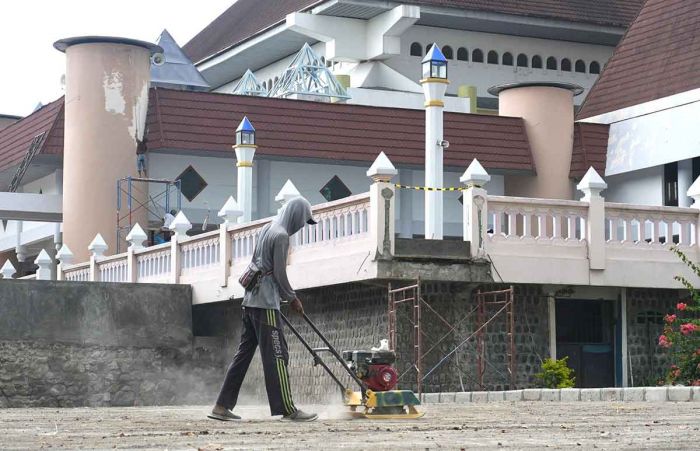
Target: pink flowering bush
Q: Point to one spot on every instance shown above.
(681, 335)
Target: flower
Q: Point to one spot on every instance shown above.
(664, 342)
(670, 318)
(688, 328)
(681, 306)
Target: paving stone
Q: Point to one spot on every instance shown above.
(480, 396)
(513, 395)
(634, 394)
(532, 394)
(463, 397)
(495, 396)
(611, 394)
(590, 394)
(447, 397)
(679, 394)
(431, 398)
(656, 394)
(570, 394)
(550, 394)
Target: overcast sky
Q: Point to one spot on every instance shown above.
(31, 68)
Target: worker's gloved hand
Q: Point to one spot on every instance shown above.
(296, 306)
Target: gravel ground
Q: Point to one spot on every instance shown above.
(453, 426)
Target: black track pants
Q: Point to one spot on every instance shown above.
(262, 328)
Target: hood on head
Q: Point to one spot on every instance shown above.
(294, 215)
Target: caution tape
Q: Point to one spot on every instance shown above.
(429, 188)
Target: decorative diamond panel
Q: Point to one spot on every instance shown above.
(191, 183)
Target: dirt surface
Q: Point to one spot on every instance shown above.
(452, 426)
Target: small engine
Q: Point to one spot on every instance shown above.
(374, 368)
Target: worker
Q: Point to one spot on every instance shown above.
(262, 324)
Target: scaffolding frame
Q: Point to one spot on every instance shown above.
(411, 294)
(128, 186)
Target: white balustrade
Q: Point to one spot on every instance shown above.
(338, 220)
(642, 225)
(114, 269)
(77, 273)
(153, 264)
(201, 251)
(541, 220)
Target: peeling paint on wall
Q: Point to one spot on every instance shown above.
(139, 112)
(114, 96)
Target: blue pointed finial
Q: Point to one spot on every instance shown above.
(434, 54)
(245, 126)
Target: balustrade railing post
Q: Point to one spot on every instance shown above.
(591, 185)
(230, 213)
(382, 206)
(475, 208)
(175, 259)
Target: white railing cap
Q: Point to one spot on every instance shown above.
(475, 175)
(288, 192)
(65, 255)
(43, 258)
(180, 223)
(591, 181)
(98, 244)
(382, 169)
(137, 234)
(7, 270)
(231, 209)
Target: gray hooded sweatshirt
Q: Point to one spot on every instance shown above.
(270, 255)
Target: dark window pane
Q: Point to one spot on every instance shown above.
(335, 189)
(447, 51)
(537, 62)
(671, 184)
(462, 54)
(580, 66)
(566, 65)
(416, 49)
(552, 63)
(522, 60)
(191, 183)
(492, 57)
(594, 68)
(507, 59)
(477, 56)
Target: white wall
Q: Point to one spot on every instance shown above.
(643, 187)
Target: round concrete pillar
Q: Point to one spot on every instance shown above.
(106, 100)
(548, 112)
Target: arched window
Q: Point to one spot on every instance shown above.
(276, 79)
(462, 54)
(323, 59)
(566, 65)
(447, 51)
(269, 82)
(580, 66)
(416, 49)
(492, 57)
(552, 63)
(265, 85)
(594, 68)
(507, 59)
(522, 60)
(427, 48)
(477, 56)
(537, 62)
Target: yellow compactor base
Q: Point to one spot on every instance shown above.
(391, 405)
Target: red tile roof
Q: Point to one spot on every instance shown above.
(246, 18)
(300, 129)
(590, 149)
(659, 56)
(16, 139)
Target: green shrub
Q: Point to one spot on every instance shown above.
(556, 374)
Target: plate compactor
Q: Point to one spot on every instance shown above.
(374, 373)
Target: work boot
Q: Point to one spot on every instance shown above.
(222, 414)
(300, 416)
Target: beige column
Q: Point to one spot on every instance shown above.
(548, 112)
(106, 100)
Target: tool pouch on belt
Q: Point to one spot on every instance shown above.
(250, 277)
